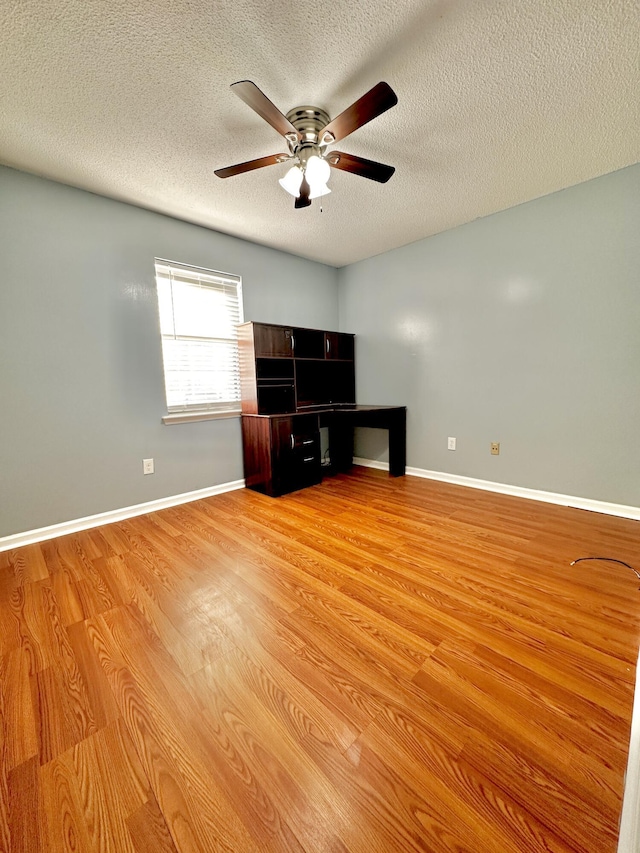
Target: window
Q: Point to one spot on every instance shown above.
(199, 313)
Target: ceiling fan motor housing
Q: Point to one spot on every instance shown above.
(308, 121)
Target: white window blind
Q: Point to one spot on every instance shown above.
(199, 313)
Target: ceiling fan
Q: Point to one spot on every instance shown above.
(308, 132)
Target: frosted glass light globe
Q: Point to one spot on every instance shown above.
(292, 180)
(317, 171)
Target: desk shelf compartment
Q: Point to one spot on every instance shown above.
(323, 383)
(275, 385)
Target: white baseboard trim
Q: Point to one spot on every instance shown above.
(29, 537)
(621, 510)
(629, 836)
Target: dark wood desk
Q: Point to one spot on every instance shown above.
(341, 421)
(282, 451)
(294, 382)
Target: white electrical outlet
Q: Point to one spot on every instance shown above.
(451, 443)
(147, 466)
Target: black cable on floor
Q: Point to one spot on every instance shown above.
(606, 560)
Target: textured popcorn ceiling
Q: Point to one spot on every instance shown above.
(500, 101)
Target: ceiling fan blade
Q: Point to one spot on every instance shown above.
(303, 199)
(360, 166)
(372, 104)
(250, 165)
(258, 101)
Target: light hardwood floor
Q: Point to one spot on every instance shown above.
(369, 665)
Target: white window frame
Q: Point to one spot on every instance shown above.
(185, 342)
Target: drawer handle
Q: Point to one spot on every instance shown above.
(308, 458)
(308, 441)
(293, 441)
(328, 345)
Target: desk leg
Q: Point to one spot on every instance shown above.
(398, 444)
(341, 446)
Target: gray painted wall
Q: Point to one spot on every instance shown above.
(81, 385)
(523, 328)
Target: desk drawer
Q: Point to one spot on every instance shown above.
(306, 453)
(296, 453)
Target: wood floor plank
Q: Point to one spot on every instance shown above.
(281, 651)
(5, 734)
(148, 829)
(599, 787)
(69, 601)
(66, 823)
(387, 812)
(472, 799)
(555, 696)
(10, 636)
(159, 715)
(483, 815)
(99, 696)
(187, 655)
(560, 806)
(439, 618)
(385, 689)
(299, 710)
(28, 564)
(575, 734)
(91, 790)
(605, 648)
(56, 726)
(259, 535)
(370, 665)
(28, 606)
(109, 756)
(254, 769)
(26, 809)
(18, 713)
(400, 648)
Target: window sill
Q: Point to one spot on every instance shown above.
(189, 417)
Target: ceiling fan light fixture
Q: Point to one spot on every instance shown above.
(307, 131)
(291, 181)
(317, 172)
